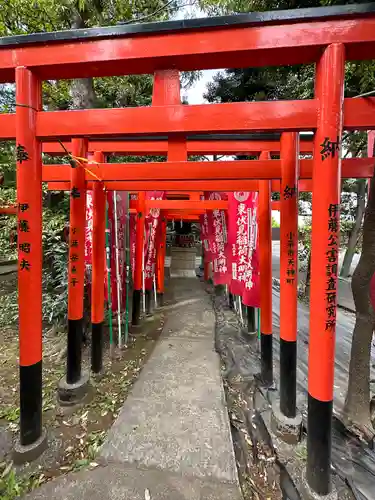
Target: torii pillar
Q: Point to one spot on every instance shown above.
(74, 386)
(329, 94)
(265, 250)
(32, 440)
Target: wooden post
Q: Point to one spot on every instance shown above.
(29, 196)
(98, 271)
(288, 272)
(161, 260)
(167, 91)
(329, 92)
(74, 387)
(140, 227)
(206, 266)
(265, 245)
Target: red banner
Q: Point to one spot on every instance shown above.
(88, 229)
(243, 243)
(151, 225)
(218, 238)
(205, 237)
(132, 235)
(121, 202)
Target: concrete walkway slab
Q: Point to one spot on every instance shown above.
(121, 482)
(175, 418)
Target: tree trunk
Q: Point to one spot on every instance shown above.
(353, 239)
(83, 97)
(82, 89)
(357, 403)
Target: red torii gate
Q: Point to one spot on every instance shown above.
(327, 37)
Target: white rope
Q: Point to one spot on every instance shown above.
(143, 277)
(240, 309)
(155, 293)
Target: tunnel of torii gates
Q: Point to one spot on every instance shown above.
(325, 36)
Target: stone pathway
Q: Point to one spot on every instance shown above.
(172, 439)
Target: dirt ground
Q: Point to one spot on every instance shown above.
(74, 436)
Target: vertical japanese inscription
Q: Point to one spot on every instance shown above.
(291, 269)
(74, 257)
(289, 193)
(205, 233)
(24, 228)
(151, 244)
(220, 263)
(74, 245)
(331, 265)
(239, 268)
(245, 243)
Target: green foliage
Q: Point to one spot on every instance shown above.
(259, 84)
(33, 16)
(8, 226)
(9, 309)
(304, 242)
(122, 91)
(55, 269)
(275, 223)
(10, 414)
(7, 167)
(55, 272)
(13, 486)
(218, 7)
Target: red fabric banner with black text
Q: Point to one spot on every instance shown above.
(218, 240)
(151, 225)
(244, 246)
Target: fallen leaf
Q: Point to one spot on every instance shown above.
(147, 494)
(7, 470)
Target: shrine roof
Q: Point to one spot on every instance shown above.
(291, 16)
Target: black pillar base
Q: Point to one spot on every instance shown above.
(30, 403)
(231, 301)
(72, 394)
(287, 429)
(97, 347)
(148, 300)
(160, 299)
(266, 360)
(30, 452)
(309, 494)
(136, 313)
(288, 374)
(251, 328)
(74, 357)
(319, 444)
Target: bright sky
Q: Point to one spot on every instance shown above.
(195, 93)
